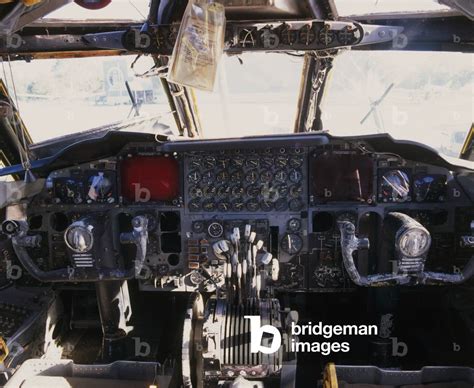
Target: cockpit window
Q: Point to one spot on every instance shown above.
(60, 97)
(255, 94)
(117, 9)
(363, 7)
(420, 96)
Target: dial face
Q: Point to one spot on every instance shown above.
(253, 205)
(209, 162)
(253, 162)
(346, 36)
(208, 177)
(291, 244)
(215, 230)
(326, 37)
(238, 191)
(194, 177)
(210, 191)
(198, 226)
(430, 188)
(281, 176)
(281, 161)
(296, 161)
(295, 205)
(224, 206)
(394, 186)
(294, 225)
(223, 163)
(237, 176)
(296, 176)
(223, 191)
(295, 191)
(288, 36)
(68, 190)
(281, 205)
(283, 190)
(267, 162)
(238, 162)
(253, 191)
(222, 176)
(266, 176)
(307, 35)
(194, 205)
(266, 206)
(251, 177)
(209, 205)
(100, 188)
(238, 205)
(195, 192)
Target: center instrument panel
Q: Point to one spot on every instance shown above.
(291, 195)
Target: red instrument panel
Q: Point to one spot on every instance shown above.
(150, 178)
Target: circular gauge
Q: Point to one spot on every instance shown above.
(209, 191)
(208, 177)
(430, 188)
(281, 176)
(281, 205)
(194, 177)
(346, 36)
(283, 190)
(223, 163)
(281, 161)
(295, 205)
(215, 230)
(238, 205)
(266, 176)
(252, 176)
(195, 163)
(252, 162)
(152, 223)
(307, 35)
(238, 191)
(209, 162)
(326, 37)
(347, 216)
(237, 176)
(224, 206)
(296, 161)
(195, 192)
(209, 205)
(291, 244)
(100, 188)
(223, 191)
(294, 225)
(288, 37)
(267, 162)
(238, 162)
(68, 190)
(295, 176)
(222, 176)
(194, 205)
(266, 206)
(198, 226)
(253, 205)
(394, 186)
(253, 191)
(295, 191)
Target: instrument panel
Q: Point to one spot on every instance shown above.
(290, 196)
(268, 180)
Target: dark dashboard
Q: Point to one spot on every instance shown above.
(289, 194)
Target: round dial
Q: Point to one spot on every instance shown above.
(283, 190)
(238, 205)
(253, 162)
(237, 176)
(209, 205)
(267, 162)
(326, 37)
(224, 206)
(281, 161)
(253, 191)
(288, 36)
(296, 161)
(394, 186)
(210, 191)
(294, 225)
(100, 188)
(198, 226)
(238, 191)
(346, 36)
(223, 191)
(195, 192)
(291, 244)
(238, 162)
(296, 176)
(222, 176)
(307, 35)
(194, 177)
(252, 176)
(253, 205)
(295, 205)
(281, 205)
(210, 162)
(266, 176)
(194, 205)
(266, 206)
(68, 191)
(281, 176)
(295, 191)
(208, 177)
(215, 230)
